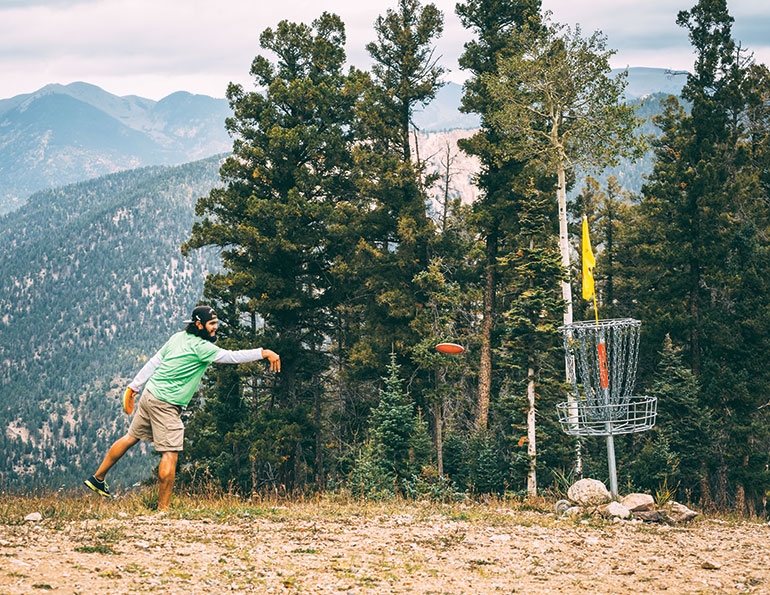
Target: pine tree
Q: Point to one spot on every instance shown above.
(393, 423)
(695, 261)
(286, 194)
(531, 349)
(494, 22)
(395, 448)
(675, 449)
(394, 229)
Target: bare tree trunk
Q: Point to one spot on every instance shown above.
(439, 437)
(721, 496)
(743, 504)
(485, 364)
(566, 292)
(254, 476)
(438, 420)
(447, 181)
(706, 500)
(740, 500)
(417, 158)
(566, 287)
(319, 454)
(531, 439)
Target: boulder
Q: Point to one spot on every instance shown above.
(589, 492)
(614, 509)
(638, 502)
(651, 516)
(591, 497)
(679, 513)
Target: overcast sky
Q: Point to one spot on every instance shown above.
(152, 48)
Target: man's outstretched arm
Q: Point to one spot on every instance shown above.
(241, 356)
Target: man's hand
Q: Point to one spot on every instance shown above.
(129, 398)
(273, 358)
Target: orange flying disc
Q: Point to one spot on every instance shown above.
(129, 398)
(452, 348)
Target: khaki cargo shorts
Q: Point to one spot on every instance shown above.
(158, 422)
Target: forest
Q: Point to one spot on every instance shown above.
(329, 238)
(343, 252)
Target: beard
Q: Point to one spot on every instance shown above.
(201, 332)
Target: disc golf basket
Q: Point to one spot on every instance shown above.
(605, 354)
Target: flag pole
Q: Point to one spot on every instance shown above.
(589, 292)
(596, 310)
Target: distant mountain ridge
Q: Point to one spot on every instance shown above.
(63, 134)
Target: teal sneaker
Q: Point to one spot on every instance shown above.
(100, 487)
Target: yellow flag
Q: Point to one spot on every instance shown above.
(589, 262)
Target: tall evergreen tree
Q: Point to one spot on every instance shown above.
(493, 22)
(394, 229)
(681, 432)
(531, 351)
(287, 188)
(392, 424)
(396, 449)
(698, 251)
(405, 68)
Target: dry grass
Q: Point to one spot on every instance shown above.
(221, 506)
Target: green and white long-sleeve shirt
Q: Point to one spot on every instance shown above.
(174, 372)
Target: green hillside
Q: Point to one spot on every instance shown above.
(92, 281)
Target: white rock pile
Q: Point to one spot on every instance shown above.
(591, 497)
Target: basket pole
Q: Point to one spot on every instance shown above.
(611, 462)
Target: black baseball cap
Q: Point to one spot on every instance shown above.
(202, 314)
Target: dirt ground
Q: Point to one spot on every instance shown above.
(409, 550)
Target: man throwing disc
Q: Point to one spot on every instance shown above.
(170, 379)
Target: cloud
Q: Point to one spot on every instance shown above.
(155, 47)
(646, 33)
(120, 43)
(31, 3)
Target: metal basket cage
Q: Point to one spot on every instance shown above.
(635, 414)
(605, 354)
(601, 358)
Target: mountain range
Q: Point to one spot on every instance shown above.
(63, 134)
